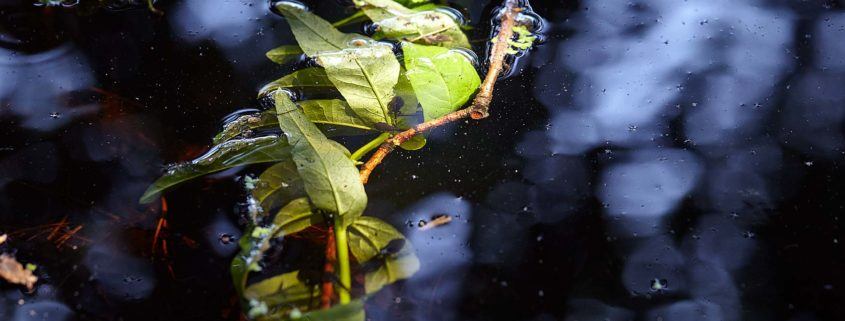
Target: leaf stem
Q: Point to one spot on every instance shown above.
(369, 146)
(343, 271)
(480, 104)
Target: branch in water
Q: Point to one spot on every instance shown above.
(480, 105)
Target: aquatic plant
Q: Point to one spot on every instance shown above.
(315, 181)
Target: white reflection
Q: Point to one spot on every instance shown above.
(34, 87)
(638, 192)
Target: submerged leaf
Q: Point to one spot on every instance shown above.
(295, 217)
(284, 290)
(373, 239)
(333, 112)
(244, 126)
(223, 156)
(352, 311)
(284, 54)
(443, 79)
(278, 185)
(416, 142)
(313, 34)
(313, 77)
(365, 76)
(330, 177)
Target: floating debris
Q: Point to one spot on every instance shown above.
(14, 272)
(436, 221)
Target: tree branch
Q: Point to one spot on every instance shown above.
(481, 103)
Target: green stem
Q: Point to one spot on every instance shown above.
(369, 146)
(343, 272)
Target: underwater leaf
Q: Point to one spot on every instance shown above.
(365, 76)
(285, 289)
(295, 217)
(223, 156)
(278, 184)
(333, 112)
(312, 33)
(245, 125)
(373, 242)
(307, 78)
(284, 54)
(352, 311)
(443, 79)
(416, 142)
(330, 177)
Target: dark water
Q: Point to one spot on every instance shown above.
(652, 160)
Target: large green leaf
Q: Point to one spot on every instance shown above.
(312, 33)
(308, 78)
(284, 54)
(295, 217)
(278, 185)
(223, 156)
(369, 237)
(443, 79)
(331, 178)
(333, 112)
(365, 76)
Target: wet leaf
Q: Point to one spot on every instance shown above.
(330, 177)
(245, 125)
(295, 217)
(312, 33)
(284, 54)
(443, 79)
(415, 143)
(14, 272)
(352, 311)
(368, 237)
(314, 77)
(428, 27)
(365, 76)
(278, 185)
(284, 290)
(378, 10)
(226, 155)
(333, 112)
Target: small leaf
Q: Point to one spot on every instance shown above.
(443, 79)
(368, 238)
(244, 126)
(278, 185)
(284, 54)
(313, 34)
(313, 77)
(330, 177)
(416, 142)
(295, 217)
(365, 76)
(284, 289)
(223, 156)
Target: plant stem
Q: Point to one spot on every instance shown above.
(480, 104)
(343, 271)
(328, 269)
(369, 146)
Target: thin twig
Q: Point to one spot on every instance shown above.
(480, 105)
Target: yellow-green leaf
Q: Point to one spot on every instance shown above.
(443, 79)
(284, 54)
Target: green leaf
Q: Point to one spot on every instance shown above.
(313, 34)
(278, 185)
(365, 76)
(368, 237)
(244, 126)
(331, 178)
(425, 27)
(352, 311)
(284, 54)
(285, 289)
(415, 143)
(223, 156)
(378, 10)
(443, 79)
(308, 78)
(295, 217)
(333, 112)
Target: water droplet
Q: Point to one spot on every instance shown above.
(397, 300)
(421, 223)
(659, 284)
(55, 115)
(290, 4)
(357, 42)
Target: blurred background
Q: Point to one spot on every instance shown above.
(651, 160)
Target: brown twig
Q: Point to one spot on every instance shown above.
(481, 103)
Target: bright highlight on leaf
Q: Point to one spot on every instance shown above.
(443, 79)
